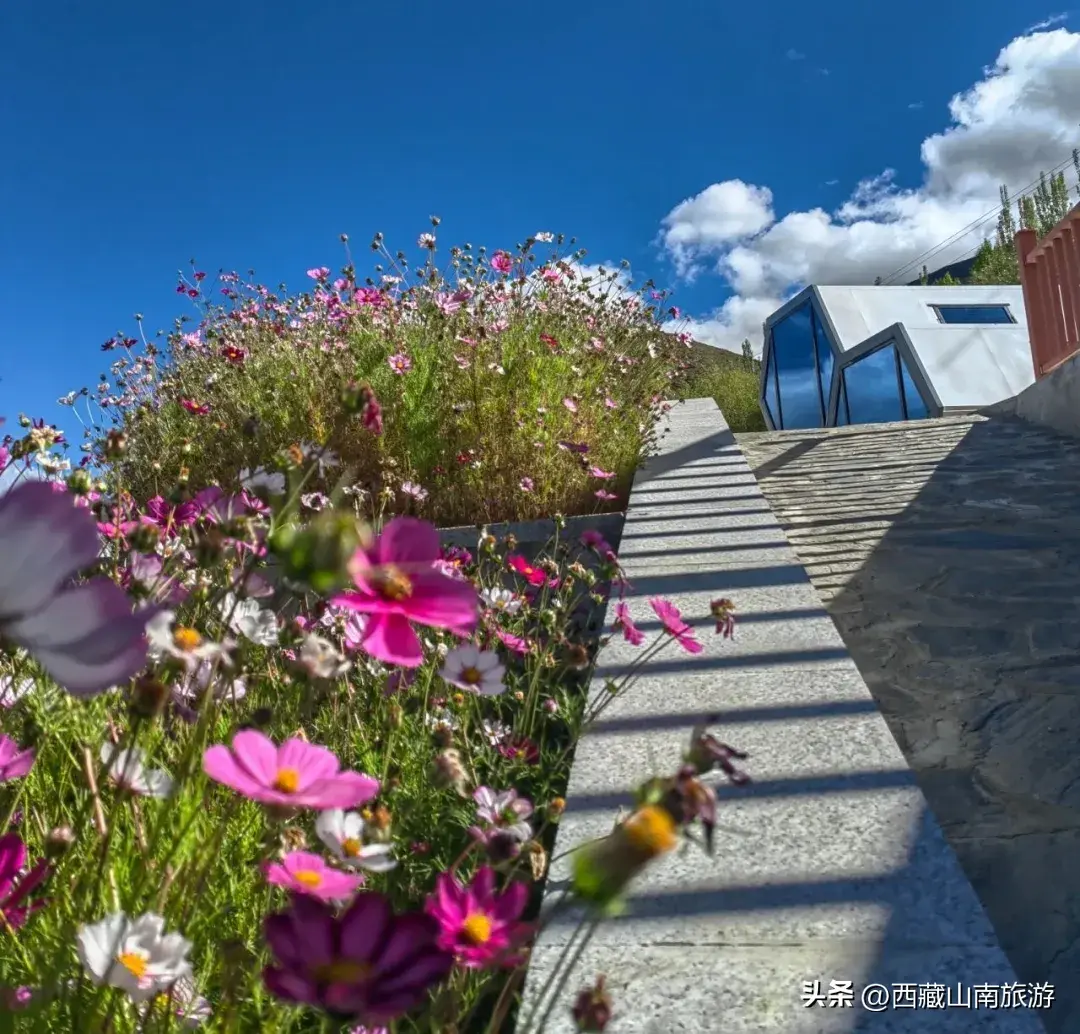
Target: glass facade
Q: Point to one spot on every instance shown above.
(913, 401)
(803, 367)
(770, 392)
(973, 313)
(878, 388)
(875, 388)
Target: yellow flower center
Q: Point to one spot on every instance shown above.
(477, 928)
(186, 639)
(651, 831)
(287, 780)
(308, 878)
(342, 971)
(134, 962)
(351, 847)
(471, 676)
(393, 583)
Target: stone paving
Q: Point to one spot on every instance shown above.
(948, 554)
(829, 865)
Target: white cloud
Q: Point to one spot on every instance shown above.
(915, 105)
(718, 216)
(795, 55)
(1047, 23)
(1019, 119)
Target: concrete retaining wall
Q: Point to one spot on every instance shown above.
(1052, 401)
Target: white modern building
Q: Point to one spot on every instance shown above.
(857, 355)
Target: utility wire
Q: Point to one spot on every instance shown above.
(992, 214)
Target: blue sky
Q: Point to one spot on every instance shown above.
(138, 136)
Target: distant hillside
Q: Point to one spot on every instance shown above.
(729, 378)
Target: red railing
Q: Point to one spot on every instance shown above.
(1050, 277)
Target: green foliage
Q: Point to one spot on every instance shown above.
(733, 381)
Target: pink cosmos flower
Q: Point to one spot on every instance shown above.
(610, 403)
(295, 775)
(198, 408)
(306, 873)
(551, 275)
(397, 582)
(674, 625)
(5, 457)
(522, 749)
(15, 889)
(549, 340)
(169, 517)
(592, 539)
(400, 363)
(570, 404)
(603, 475)
(503, 812)
(526, 484)
(85, 636)
(533, 575)
(366, 964)
(501, 262)
(631, 633)
(512, 642)
(319, 273)
(14, 763)
(604, 496)
(479, 925)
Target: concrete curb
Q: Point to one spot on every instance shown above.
(830, 867)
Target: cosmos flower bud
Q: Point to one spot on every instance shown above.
(448, 771)
(592, 1008)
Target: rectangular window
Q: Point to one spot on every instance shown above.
(973, 313)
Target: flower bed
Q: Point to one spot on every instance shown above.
(274, 759)
(502, 387)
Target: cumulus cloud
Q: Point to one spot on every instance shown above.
(1019, 119)
(718, 216)
(795, 55)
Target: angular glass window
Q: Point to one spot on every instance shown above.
(916, 405)
(973, 313)
(842, 415)
(873, 388)
(824, 359)
(796, 369)
(770, 391)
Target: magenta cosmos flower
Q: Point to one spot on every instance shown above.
(15, 889)
(14, 763)
(85, 636)
(674, 625)
(295, 775)
(367, 964)
(397, 582)
(480, 926)
(631, 633)
(306, 873)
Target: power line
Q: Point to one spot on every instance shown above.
(992, 214)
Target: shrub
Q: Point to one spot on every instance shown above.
(514, 386)
(732, 380)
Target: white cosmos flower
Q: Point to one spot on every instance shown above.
(320, 659)
(135, 955)
(185, 1003)
(167, 639)
(505, 600)
(343, 834)
(11, 692)
(497, 732)
(129, 772)
(200, 680)
(469, 667)
(544, 236)
(247, 618)
(272, 482)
